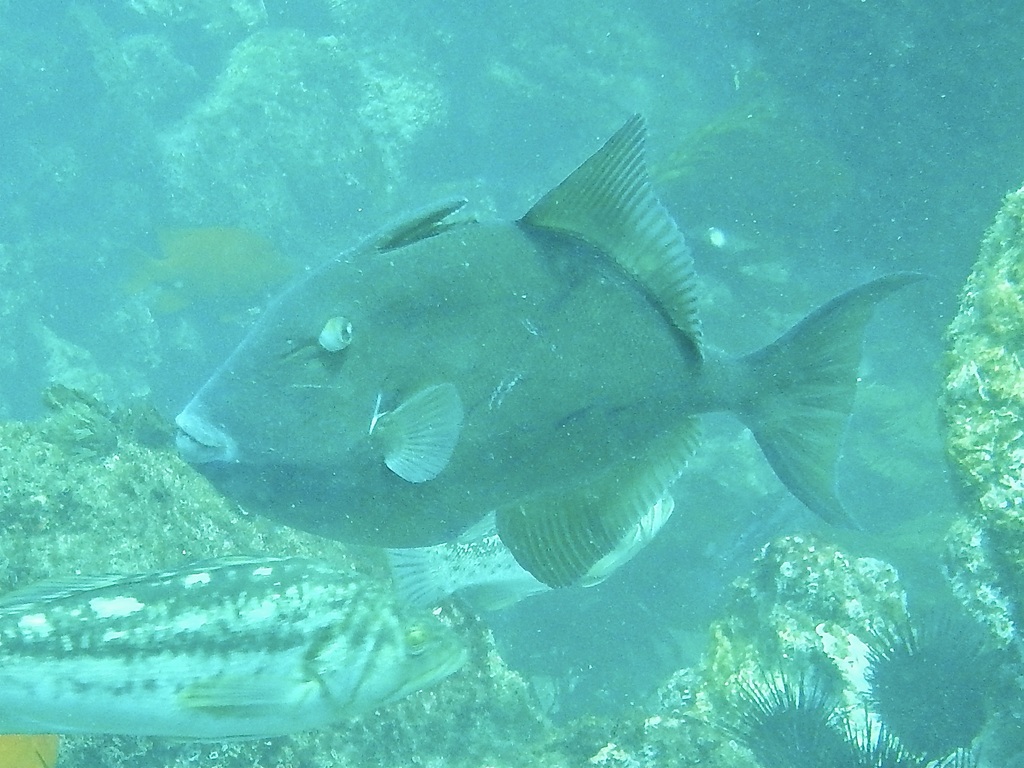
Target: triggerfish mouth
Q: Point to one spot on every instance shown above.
(228, 649)
(548, 371)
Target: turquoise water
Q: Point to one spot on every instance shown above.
(828, 143)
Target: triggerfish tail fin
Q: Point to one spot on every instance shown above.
(806, 382)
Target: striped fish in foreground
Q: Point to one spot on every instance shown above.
(233, 648)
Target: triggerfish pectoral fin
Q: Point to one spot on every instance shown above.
(807, 380)
(579, 536)
(419, 436)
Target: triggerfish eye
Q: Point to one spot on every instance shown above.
(336, 334)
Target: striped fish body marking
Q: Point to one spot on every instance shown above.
(231, 649)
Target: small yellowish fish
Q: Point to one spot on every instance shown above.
(208, 262)
(29, 750)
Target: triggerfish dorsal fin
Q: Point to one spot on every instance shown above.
(805, 382)
(609, 202)
(577, 537)
(419, 436)
(419, 225)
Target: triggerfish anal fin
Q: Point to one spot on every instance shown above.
(609, 202)
(419, 436)
(578, 536)
(806, 381)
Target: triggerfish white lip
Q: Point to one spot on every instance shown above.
(200, 442)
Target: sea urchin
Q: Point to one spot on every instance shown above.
(932, 684)
(791, 723)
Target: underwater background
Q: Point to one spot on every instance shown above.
(167, 165)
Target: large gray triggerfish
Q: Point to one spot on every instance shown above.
(547, 370)
(232, 648)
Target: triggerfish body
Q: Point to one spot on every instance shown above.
(234, 648)
(547, 370)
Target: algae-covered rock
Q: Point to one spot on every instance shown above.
(805, 602)
(295, 124)
(92, 490)
(216, 16)
(983, 405)
(805, 607)
(816, 655)
(95, 489)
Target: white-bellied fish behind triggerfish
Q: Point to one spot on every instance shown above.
(547, 370)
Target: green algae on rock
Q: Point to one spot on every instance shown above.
(983, 407)
(983, 410)
(807, 602)
(804, 613)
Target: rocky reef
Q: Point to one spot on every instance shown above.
(307, 123)
(817, 661)
(984, 413)
(983, 407)
(985, 421)
(90, 490)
